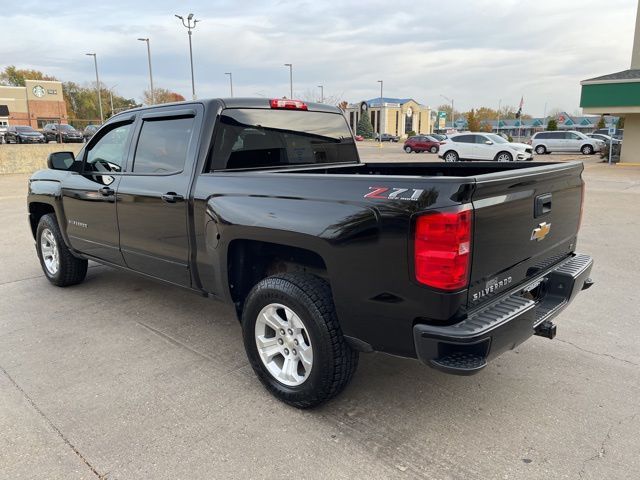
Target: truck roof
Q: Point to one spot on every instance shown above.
(235, 102)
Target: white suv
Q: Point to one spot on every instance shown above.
(483, 146)
(569, 141)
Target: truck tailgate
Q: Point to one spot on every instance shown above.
(525, 220)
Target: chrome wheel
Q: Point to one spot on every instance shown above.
(49, 249)
(283, 344)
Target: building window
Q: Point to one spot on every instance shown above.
(420, 122)
(408, 123)
(397, 121)
(43, 121)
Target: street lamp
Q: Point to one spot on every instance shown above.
(321, 93)
(111, 98)
(290, 65)
(379, 114)
(189, 25)
(230, 82)
(453, 115)
(153, 98)
(95, 62)
(499, 106)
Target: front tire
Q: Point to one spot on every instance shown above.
(294, 342)
(587, 150)
(541, 150)
(451, 156)
(504, 157)
(58, 263)
(433, 149)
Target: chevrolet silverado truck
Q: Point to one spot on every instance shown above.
(265, 204)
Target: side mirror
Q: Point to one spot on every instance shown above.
(488, 142)
(61, 160)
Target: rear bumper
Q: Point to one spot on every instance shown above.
(465, 347)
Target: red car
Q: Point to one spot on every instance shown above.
(359, 138)
(421, 143)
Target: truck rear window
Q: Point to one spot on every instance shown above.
(261, 138)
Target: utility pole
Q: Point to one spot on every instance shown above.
(95, 62)
(189, 25)
(153, 95)
(499, 106)
(321, 93)
(230, 82)
(380, 115)
(111, 99)
(290, 65)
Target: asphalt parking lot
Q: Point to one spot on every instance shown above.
(124, 378)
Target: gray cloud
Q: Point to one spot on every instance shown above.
(476, 52)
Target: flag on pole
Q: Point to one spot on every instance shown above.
(519, 112)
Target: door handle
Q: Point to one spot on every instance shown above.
(171, 197)
(106, 191)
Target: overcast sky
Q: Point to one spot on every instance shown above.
(475, 51)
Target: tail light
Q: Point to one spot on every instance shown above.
(442, 249)
(442, 143)
(288, 104)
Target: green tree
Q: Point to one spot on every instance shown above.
(473, 122)
(364, 126)
(601, 122)
(552, 125)
(16, 77)
(620, 122)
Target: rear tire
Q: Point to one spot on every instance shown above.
(587, 150)
(300, 307)
(408, 149)
(58, 263)
(541, 150)
(451, 156)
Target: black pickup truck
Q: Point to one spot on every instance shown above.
(265, 204)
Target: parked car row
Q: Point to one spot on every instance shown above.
(52, 132)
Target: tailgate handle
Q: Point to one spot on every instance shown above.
(542, 205)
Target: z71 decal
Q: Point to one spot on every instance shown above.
(388, 193)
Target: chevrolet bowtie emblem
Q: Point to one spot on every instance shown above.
(541, 231)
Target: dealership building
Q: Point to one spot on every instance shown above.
(37, 103)
(395, 116)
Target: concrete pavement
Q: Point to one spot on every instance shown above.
(124, 378)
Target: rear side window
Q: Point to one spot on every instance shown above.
(464, 139)
(264, 138)
(162, 146)
(541, 136)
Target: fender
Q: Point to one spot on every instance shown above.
(45, 187)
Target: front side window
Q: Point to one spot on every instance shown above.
(162, 146)
(264, 138)
(109, 153)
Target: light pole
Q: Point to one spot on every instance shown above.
(290, 65)
(379, 114)
(153, 98)
(111, 98)
(230, 82)
(453, 115)
(321, 87)
(498, 124)
(189, 25)
(95, 62)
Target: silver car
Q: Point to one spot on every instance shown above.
(565, 141)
